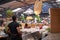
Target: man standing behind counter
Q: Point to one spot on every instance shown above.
(14, 30)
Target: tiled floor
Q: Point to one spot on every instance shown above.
(52, 36)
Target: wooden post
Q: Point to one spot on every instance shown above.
(55, 20)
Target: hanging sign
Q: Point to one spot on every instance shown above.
(38, 7)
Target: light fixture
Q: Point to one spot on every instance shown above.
(57, 0)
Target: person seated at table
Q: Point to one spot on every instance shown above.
(14, 30)
(26, 25)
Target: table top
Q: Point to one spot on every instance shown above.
(30, 30)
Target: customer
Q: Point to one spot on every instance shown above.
(14, 31)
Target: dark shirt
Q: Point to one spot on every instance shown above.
(12, 26)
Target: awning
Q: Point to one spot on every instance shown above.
(0, 15)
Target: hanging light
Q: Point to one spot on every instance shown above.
(0, 14)
(57, 0)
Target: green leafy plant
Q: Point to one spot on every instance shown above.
(9, 13)
(22, 17)
(38, 18)
(48, 29)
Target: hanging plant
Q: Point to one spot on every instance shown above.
(9, 13)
